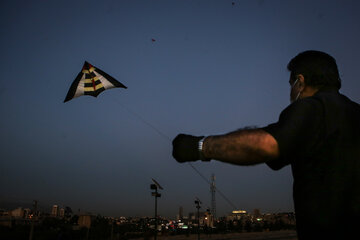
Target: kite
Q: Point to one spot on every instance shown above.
(91, 81)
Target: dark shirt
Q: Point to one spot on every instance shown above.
(319, 137)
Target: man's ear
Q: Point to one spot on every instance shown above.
(301, 81)
(305, 89)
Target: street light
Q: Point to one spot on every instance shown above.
(155, 186)
(198, 202)
(33, 220)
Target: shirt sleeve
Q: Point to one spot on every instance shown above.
(295, 130)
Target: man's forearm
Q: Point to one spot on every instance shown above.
(242, 147)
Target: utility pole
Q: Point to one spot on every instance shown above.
(112, 230)
(33, 220)
(198, 202)
(155, 194)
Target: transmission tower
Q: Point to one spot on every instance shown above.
(212, 191)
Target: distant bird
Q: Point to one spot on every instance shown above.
(153, 40)
(233, 3)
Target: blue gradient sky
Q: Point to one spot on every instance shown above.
(213, 68)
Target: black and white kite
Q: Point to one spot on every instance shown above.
(91, 81)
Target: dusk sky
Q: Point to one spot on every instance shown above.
(214, 67)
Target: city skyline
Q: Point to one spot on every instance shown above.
(63, 222)
(49, 208)
(63, 211)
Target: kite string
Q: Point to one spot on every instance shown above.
(139, 117)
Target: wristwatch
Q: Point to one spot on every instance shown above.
(200, 148)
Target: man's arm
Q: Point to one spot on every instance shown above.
(242, 147)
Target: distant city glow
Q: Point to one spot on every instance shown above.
(239, 212)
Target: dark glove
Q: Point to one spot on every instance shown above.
(186, 148)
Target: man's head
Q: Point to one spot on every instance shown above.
(311, 71)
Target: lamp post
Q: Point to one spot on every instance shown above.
(198, 202)
(155, 186)
(33, 220)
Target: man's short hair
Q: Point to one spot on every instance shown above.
(318, 68)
